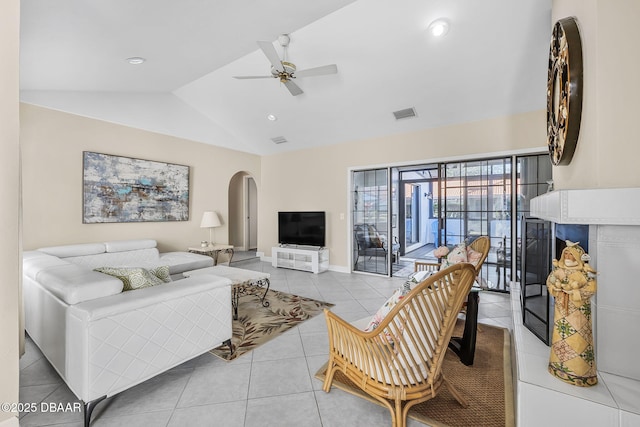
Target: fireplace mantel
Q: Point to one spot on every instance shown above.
(600, 206)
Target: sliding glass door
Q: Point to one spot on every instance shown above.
(476, 201)
(401, 214)
(372, 250)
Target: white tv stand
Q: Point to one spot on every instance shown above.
(305, 258)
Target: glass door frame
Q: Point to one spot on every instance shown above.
(360, 223)
(427, 201)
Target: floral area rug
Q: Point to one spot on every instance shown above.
(257, 324)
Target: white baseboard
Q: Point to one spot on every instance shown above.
(339, 269)
(336, 268)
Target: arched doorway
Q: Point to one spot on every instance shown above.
(243, 212)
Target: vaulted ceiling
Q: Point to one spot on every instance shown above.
(492, 62)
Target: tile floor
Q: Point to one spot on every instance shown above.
(272, 386)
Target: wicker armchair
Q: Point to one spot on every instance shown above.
(481, 244)
(400, 362)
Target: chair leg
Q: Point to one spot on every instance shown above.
(328, 376)
(396, 415)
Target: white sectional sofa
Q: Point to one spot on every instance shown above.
(102, 340)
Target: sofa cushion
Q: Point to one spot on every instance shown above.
(74, 284)
(138, 258)
(180, 262)
(35, 261)
(129, 245)
(74, 250)
(132, 277)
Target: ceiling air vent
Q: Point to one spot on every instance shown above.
(279, 140)
(404, 114)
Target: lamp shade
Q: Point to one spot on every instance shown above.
(210, 219)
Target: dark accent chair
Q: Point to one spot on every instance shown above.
(370, 243)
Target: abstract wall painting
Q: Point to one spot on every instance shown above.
(124, 189)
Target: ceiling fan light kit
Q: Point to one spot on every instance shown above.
(439, 27)
(284, 40)
(286, 71)
(135, 60)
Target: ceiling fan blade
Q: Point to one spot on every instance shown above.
(293, 88)
(317, 71)
(252, 77)
(271, 54)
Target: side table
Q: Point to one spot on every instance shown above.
(465, 346)
(213, 251)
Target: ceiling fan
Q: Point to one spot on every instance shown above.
(286, 71)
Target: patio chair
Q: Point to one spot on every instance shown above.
(371, 244)
(399, 363)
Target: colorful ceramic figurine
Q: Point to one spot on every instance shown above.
(572, 283)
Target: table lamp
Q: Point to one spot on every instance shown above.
(210, 220)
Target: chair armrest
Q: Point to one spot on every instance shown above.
(129, 301)
(372, 352)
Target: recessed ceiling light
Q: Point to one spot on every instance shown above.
(135, 60)
(272, 117)
(439, 27)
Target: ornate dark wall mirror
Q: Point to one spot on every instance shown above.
(564, 91)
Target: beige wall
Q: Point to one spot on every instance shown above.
(9, 214)
(317, 179)
(52, 146)
(607, 151)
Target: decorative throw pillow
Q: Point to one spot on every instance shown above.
(132, 277)
(161, 273)
(394, 299)
(441, 252)
(473, 256)
(388, 305)
(457, 255)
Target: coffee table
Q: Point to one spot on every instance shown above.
(243, 282)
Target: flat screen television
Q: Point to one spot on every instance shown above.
(301, 228)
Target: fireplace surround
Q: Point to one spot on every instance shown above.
(612, 217)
